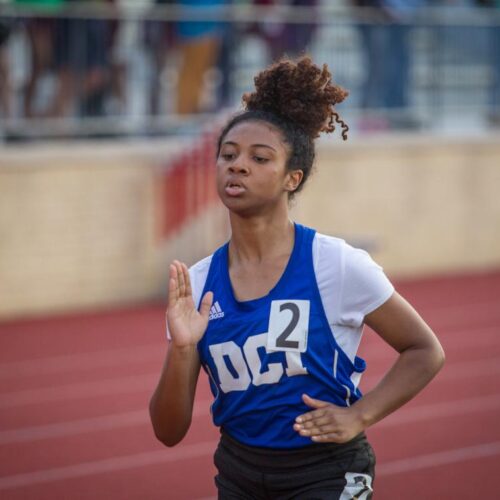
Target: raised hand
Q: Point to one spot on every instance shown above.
(186, 325)
(328, 423)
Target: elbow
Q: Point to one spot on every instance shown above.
(441, 357)
(169, 435)
(437, 357)
(168, 432)
(168, 439)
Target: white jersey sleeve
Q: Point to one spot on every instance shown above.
(198, 275)
(351, 286)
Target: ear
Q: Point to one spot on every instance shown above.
(293, 180)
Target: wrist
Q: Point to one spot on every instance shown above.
(364, 413)
(183, 350)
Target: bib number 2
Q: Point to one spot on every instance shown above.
(288, 325)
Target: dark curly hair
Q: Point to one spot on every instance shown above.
(298, 98)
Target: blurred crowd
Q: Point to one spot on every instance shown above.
(88, 64)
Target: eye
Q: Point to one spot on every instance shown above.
(260, 159)
(227, 156)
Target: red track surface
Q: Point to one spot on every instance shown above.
(74, 395)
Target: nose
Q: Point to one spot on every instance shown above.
(239, 167)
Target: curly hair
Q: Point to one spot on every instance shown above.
(298, 98)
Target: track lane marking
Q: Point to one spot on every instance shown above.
(198, 450)
(454, 371)
(79, 362)
(82, 390)
(147, 382)
(404, 415)
(149, 352)
(446, 457)
(88, 425)
(186, 452)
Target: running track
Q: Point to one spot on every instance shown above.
(75, 390)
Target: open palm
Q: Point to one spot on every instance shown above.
(185, 323)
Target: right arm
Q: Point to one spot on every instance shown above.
(171, 405)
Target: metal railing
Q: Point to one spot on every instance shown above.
(102, 69)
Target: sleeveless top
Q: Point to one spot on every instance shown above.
(261, 355)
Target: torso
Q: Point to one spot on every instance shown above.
(269, 340)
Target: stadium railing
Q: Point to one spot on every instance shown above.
(452, 62)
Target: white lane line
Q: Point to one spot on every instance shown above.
(403, 416)
(107, 422)
(186, 452)
(80, 361)
(120, 385)
(478, 338)
(446, 457)
(198, 450)
(88, 425)
(406, 415)
(474, 334)
(147, 382)
(456, 318)
(113, 357)
(149, 352)
(452, 371)
(459, 310)
(140, 354)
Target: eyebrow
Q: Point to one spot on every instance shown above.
(231, 143)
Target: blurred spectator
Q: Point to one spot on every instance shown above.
(4, 69)
(291, 38)
(231, 39)
(82, 61)
(199, 43)
(116, 53)
(159, 37)
(385, 36)
(494, 58)
(40, 32)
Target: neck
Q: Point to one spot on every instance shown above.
(260, 238)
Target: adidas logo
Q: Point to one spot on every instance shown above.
(215, 312)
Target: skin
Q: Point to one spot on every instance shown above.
(254, 184)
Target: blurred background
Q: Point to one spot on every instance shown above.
(109, 111)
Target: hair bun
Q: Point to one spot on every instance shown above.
(299, 92)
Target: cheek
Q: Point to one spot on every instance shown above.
(277, 175)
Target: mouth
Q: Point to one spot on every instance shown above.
(234, 188)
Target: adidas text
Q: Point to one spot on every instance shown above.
(216, 312)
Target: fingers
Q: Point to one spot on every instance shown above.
(314, 403)
(314, 421)
(173, 292)
(323, 430)
(187, 280)
(206, 304)
(332, 437)
(315, 429)
(179, 284)
(181, 280)
(327, 423)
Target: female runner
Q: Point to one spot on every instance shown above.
(275, 316)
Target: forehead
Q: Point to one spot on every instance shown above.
(252, 132)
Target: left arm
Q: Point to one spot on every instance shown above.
(420, 358)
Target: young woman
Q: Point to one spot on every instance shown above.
(275, 316)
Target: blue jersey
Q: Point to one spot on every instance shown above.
(262, 355)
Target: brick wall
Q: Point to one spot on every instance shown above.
(90, 225)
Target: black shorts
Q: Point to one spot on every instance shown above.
(317, 472)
